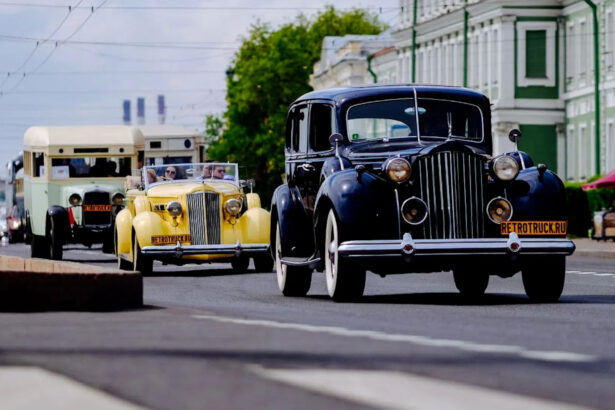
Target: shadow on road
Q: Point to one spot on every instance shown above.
(202, 273)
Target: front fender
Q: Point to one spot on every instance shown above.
(296, 230)
(538, 198)
(366, 206)
(253, 201)
(254, 226)
(123, 227)
(147, 224)
(60, 217)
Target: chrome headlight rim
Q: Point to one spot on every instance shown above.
(499, 198)
(233, 206)
(389, 163)
(403, 214)
(75, 199)
(502, 161)
(116, 196)
(174, 208)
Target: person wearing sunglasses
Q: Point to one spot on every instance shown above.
(170, 173)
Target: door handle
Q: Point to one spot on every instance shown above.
(307, 167)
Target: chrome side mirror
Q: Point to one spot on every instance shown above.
(514, 136)
(335, 139)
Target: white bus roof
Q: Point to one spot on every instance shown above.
(82, 135)
(167, 131)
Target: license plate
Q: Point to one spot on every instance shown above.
(97, 208)
(169, 239)
(534, 227)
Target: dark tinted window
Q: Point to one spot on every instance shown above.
(38, 163)
(320, 127)
(289, 128)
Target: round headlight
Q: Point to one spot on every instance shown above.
(174, 208)
(505, 168)
(499, 210)
(233, 206)
(398, 170)
(75, 199)
(118, 199)
(414, 211)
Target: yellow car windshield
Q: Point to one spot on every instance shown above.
(176, 173)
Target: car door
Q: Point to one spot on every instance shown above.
(297, 144)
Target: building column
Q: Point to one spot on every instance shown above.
(507, 62)
(500, 131)
(560, 131)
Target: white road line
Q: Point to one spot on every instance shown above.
(578, 272)
(548, 356)
(402, 391)
(34, 388)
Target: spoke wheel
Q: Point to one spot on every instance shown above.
(141, 263)
(345, 282)
(292, 280)
(470, 283)
(543, 280)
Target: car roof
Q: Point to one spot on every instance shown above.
(362, 92)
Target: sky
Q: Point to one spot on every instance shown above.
(77, 67)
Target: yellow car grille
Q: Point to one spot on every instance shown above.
(204, 217)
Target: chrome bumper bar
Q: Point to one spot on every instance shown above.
(220, 249)
(409, 247)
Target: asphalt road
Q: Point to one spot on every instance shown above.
(208, 338)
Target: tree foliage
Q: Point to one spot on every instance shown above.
(270, 70)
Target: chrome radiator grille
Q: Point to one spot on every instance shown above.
(204, 218)
(452, 185)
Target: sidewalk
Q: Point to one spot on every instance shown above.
(594, 249)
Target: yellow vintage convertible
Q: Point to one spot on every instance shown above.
(191, 213)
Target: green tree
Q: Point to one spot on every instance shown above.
(270, 70)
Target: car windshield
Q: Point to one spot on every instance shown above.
(438, 119)
(174, 173)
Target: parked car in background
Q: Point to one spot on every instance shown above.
(401, 179)
(74, 184)
(192, 213)
(17, 230)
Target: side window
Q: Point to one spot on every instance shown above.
(27, 163)
(320, 127)
(289, 128)
(302, 130)
(38, 164)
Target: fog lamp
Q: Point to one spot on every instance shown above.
(75, 199)
(174, 208)
(499, 210)
(505, 168)
(414, 211)
(233, 206)
(398, 170)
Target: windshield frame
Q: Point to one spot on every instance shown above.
(234, 181)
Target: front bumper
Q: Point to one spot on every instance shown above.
(179, 250)
(409, 247)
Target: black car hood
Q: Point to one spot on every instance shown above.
(380, 150)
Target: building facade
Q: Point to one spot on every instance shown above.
(537, 63)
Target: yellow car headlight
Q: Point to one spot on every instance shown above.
(74, 199)
(174, 208)
(505, 168)
(499, 210)
(233, 206)
(398, 170)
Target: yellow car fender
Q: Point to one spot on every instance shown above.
(147, 224)
(142, 204)
(254, 225)
(123, 227)
(253, 200)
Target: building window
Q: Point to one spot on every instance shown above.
(610, 146)
(535, 54)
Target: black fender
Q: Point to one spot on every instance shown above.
(59, 215)
(538, 197)
(333, 165)
(296, 230)
(365, 206)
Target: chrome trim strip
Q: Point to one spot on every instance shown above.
(222, 249)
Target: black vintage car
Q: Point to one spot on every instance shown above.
(401, 179)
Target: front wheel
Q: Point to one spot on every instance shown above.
(292, 280)
(141, 263)
(240, 264)
(54, 240)
(345, 282)
(108, 245)
(39, 247)
(543, 280)
(263, 263)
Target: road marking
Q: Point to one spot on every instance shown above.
(548, 356)
(35, 388)
(577, 272)
(402, 391)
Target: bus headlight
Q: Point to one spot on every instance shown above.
(74, 200)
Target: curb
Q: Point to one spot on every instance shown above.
(40, 284)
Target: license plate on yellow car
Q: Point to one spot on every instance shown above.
(97, 208)
(169, 239)
(534, 227)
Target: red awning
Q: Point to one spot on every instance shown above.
(607, 181)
